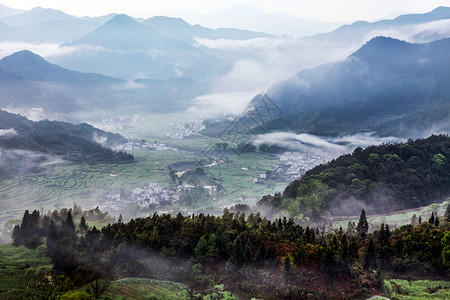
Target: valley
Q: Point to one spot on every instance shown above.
(275, 151)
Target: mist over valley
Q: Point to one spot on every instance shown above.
(235, 154)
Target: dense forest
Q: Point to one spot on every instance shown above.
(71, 142)
(251, 256)
(380, 178)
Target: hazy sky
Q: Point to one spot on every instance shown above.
(326, 10)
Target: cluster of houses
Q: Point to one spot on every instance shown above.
(181, 130)
(136, 145)
(293, 165)
(151, 194)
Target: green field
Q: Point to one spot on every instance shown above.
(398, 219)
(141, 288)
(417, 290)
(57, 186)
(19, 268)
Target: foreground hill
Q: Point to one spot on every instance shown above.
(388, 86)
(380, 179)
(212, 256)
(79, 143)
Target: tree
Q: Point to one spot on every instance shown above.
(83, 226)
(370, 259)
(431, 219)
(436, 221)
(445, 242)
(202, 248)
(363, 225)
(447, 213)
(287, 265)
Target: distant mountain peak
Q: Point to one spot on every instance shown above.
(382, 46)
(24, 56)
(122, 20)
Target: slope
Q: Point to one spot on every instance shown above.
(388, 86)
(380, 179)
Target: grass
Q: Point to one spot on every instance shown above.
(417, 290)
(141, 288)
(396, 220)
(19, 267)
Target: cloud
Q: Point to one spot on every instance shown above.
(8, 132)
(259, 63)
(331, 147)
(47, 50)
(221, 103)
(100, 139)
(418, 33)
(32, 113)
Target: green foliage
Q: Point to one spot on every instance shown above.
(445, 242)
(141, 288)
(363, 225)
(77, 295)
(408, 175)
(417, 290)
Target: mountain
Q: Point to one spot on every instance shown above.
(361, 31)
(33, 67)
(179, 29)
(40, 25)
(29, 81)
(127, 49)
(7, 11)
(7, 33)
(80, 143)
(252, 18)
(380, 179)
(36, 16)
(387, 86)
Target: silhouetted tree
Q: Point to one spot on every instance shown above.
(370, 258)
(436, 221)
(431, 219)
(363, 225)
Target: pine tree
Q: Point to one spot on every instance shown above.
(83, 226)
(370, 259)
(287, 265)
(69, 225)
(436, 221)
(420, 219)
(363, 225)
(447, 213)
(431, 219)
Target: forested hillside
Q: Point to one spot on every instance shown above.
(381, 178)
(252, 257)
(80, 142)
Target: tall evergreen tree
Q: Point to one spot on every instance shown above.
(436, 221)
(370, 258)
(363, 225)
(83, 226)
(431, 219)
(447, 213)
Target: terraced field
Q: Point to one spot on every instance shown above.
(57, 186)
